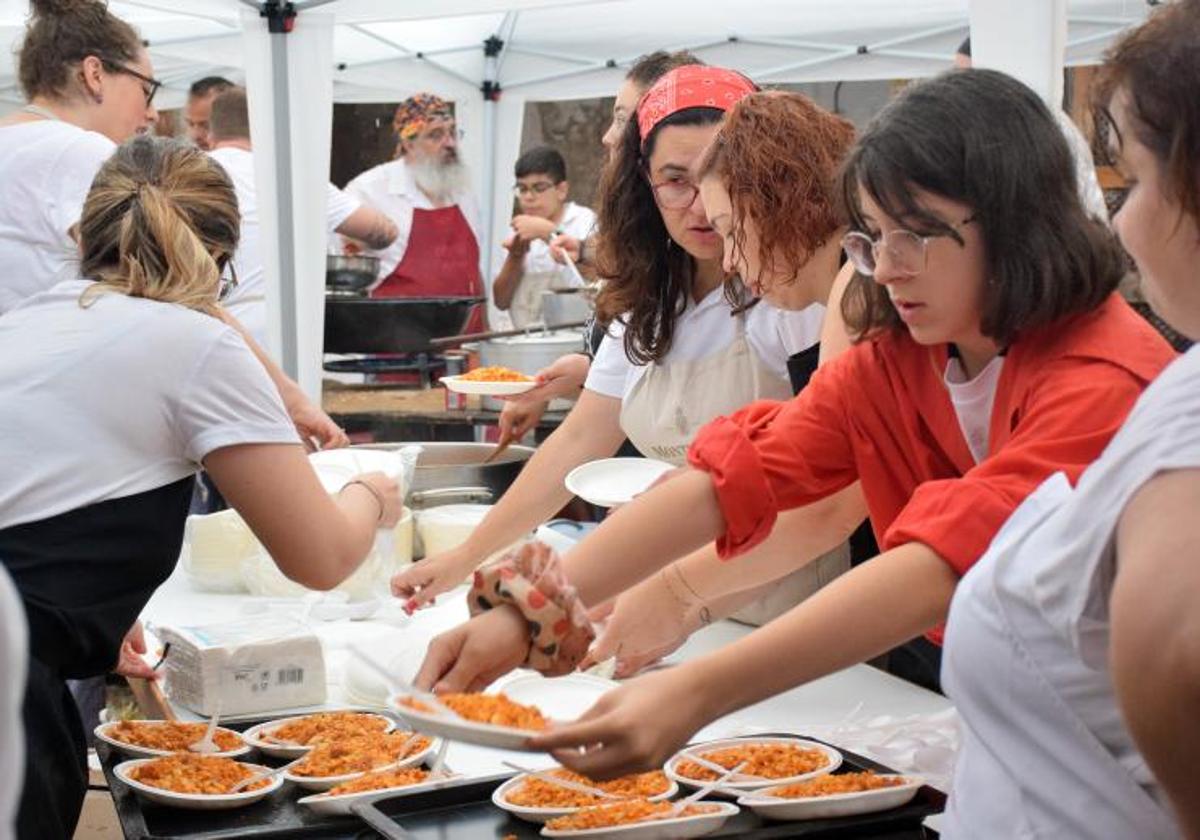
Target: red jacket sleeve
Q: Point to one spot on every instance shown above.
(1065, 423)
(773, 456)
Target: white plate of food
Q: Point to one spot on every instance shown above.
(773, 760)
(330, 764)
(382, 785)
(490, 382)
(530, 798)
(188, 775)
(513, 723)
(153, 738)
(699, 819)
(833, 795)
(292, 737)
(615, 481)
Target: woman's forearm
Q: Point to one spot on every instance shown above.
(592, 430)
(853, 619)
(800, 536)
(645, 535)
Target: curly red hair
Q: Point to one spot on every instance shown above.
(778, 155)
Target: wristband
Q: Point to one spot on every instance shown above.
(378, 496)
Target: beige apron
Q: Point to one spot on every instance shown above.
(670, 403)
(526, 306)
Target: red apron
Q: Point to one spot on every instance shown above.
(441, 260)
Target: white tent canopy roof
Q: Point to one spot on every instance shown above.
(387, 49)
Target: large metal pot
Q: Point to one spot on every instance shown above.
(351, 275)
(392, 325)
(565, 306)
(454, 472)
(528, 354)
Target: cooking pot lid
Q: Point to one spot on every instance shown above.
(556, 337)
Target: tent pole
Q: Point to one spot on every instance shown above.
(1024, 38)
(493, 52)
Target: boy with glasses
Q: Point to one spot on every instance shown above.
(541, 191)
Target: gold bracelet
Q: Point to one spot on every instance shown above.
(378, 496)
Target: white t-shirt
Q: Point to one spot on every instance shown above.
(390, 188)
(246, 302)
(577, 221)
(122, 397)
(705, 328)
(973, 400)
(46, 171)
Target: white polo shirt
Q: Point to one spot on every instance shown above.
(46, 171)
(390, 188)
(247, 302)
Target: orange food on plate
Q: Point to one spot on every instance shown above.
(771, 761)
(325, 726)
(381, 781)
(842, 783)
(169, 735)
(624, 813)
(537, 793)
(358, 754)
(194, 773)
(494, 374)
(495, 709)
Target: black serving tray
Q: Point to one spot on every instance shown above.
(465, 812)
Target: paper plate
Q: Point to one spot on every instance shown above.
(614, 481)
(465, 731)
(196, 801)
(254, 735)
(336, 806)
(697, 826)
(541, 815)
(323, 783)
(736, 788)
(487, 389)
(101, 732)
(836, 805)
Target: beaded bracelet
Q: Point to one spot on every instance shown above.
(378, 496)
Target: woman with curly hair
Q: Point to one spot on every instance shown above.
(683, 346)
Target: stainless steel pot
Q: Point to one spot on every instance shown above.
(454, 472)
(350, 274)
(565, 306)
(528, 354)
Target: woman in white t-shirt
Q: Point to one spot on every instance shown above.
(684, 348)
(115, 387)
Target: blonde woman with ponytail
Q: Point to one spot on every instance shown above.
(115, 387)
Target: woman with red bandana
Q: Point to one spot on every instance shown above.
(992, 352)
(683, 347)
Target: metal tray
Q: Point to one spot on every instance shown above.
(465, 811)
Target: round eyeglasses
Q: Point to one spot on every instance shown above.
(675, 195)
(905, 249)
(532, 189)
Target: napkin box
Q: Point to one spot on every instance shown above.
(243, 667)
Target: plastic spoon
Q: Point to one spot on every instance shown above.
(206, 745)
(563, 783)
(397, 686)
(682, 804)
(717, 768)
(266, 774)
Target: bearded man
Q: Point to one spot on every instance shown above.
(425, 193)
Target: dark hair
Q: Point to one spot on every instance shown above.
(778, 155)
(648, 277)
(160, 222)
(965, 47)
(1159, 65)
(651, 67)
(61, 33)
(982, 138)
(205, 86)
(230, 117)
(542, 160)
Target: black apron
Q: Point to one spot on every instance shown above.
(84, 577)
(918, 661)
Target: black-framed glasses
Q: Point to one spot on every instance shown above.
(905, 249)
(228, 284)
(150, 85)
(675, 195)
(532, 189)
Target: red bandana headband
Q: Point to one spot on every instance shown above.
(690, 86)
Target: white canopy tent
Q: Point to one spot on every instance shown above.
(493, 56)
